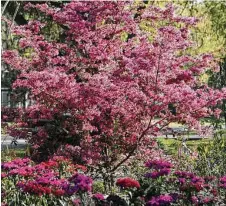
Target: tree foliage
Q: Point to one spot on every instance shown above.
(102, 83)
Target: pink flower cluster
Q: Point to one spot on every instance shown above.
(223, 182)
(190, 182)
(98, 196)
(16, 164)
(46, 177)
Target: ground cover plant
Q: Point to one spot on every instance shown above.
(114, 76)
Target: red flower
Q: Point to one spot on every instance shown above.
(50, 164)
(58, 192)
(127, 183)
(198, 187)
(214, 192)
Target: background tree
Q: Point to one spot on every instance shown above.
(209, 35)
(217, 13)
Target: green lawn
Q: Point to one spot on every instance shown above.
(9, 154)
(171, 146)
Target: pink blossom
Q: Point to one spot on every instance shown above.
(114, 89)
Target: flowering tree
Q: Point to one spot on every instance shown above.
(111, 82)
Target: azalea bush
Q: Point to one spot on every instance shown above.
(60, 182)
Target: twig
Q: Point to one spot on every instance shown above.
(15, 13)
(5, 5)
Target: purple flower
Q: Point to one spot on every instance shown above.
(197, 179)
(160, 200)
(175, 196)
(164, 171)
(181, 180)
(78, 183)
(156, 174)
(158, 164)
(183, 174)
(153, 175)
(43, 180)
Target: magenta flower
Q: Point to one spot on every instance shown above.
(98, 196)
(78, 183)
(158, 164)
(3, 175)
(161, 168)
(223, 185)
(153, 175)
(157, 174)
(196, 179)
(76, 202)
(194, 200)
(181, 180)
(183, 174)
(24, 171)
(223, 179)
(207, 200)
(15, 164)
(160, 200)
